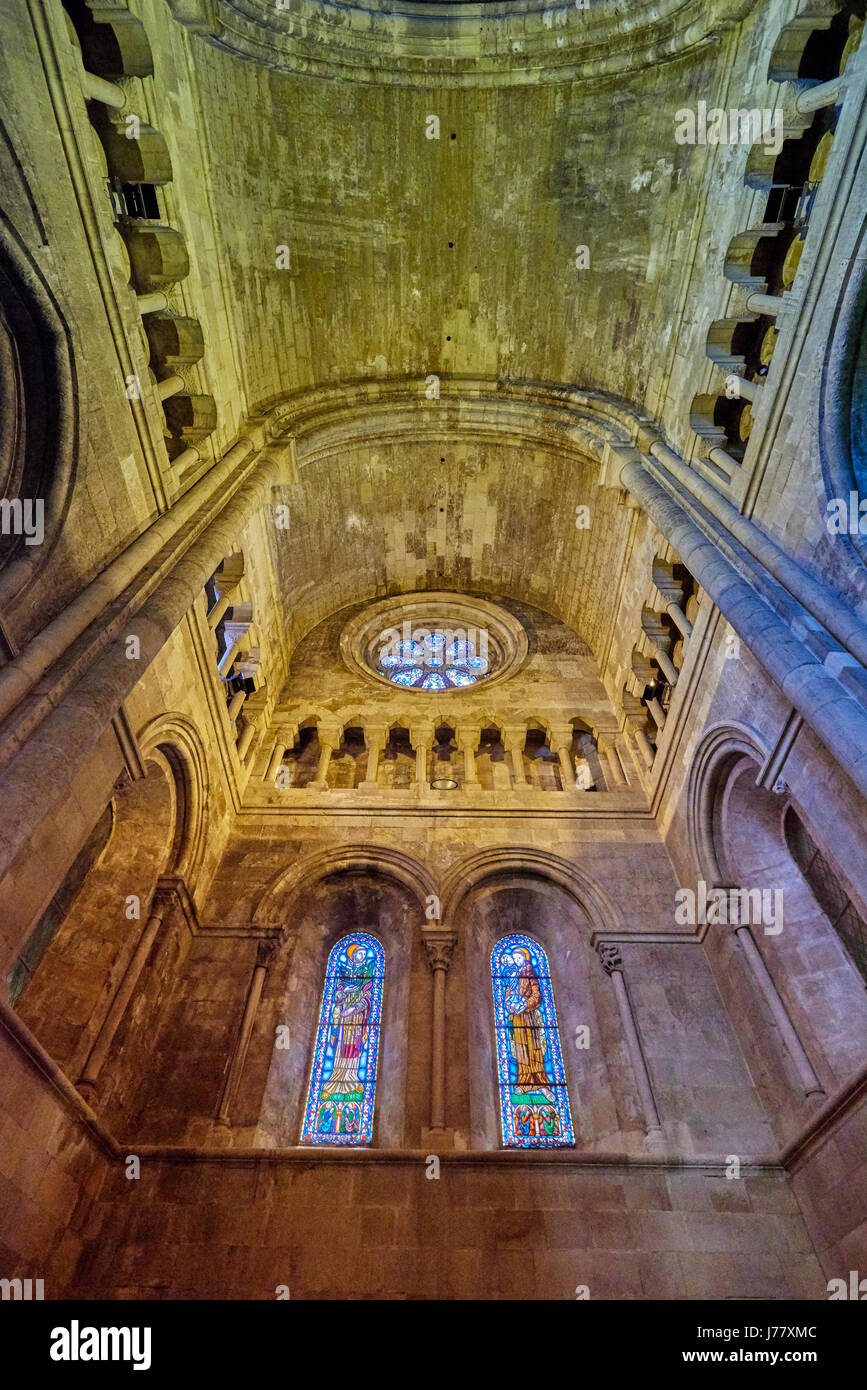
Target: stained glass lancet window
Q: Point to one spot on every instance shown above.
(342, 1082)
(534, 1103)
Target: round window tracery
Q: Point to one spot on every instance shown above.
(441, 659)
(432, 643)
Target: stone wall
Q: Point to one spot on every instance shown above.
(378, 1227)
(53, 1161)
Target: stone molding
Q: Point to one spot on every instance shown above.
(421, 44)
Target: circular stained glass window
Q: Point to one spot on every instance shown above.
(439, 659)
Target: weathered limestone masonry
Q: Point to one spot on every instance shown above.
(325, 334)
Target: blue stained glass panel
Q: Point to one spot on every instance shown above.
(534, 1102)
(343, 1079)
(432, 664)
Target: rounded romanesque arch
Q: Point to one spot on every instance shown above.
(842, 409)
(487, 865)
(527, 894)
(335, 894)
(63, 1003)
(775, 927)
(38, 416)
(279, 898)
(178, 745)
(716, 753)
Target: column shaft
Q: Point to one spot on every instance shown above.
(111, 1022)
(239, 1056)
(567, 771)
(97, 89)
(321, 779)
(645, 747)
(170, 386)
(421, 756)
(235, 704)
(439, 945)
(265, 952)
(228, 660)
(438, 1051)
(153, 303)
(825, 94)
(763, 978)
(666, 665)
(470, 777)
(679, 618)
(657, 712)
(275, 760)
(771, 304)
(609, 954)
(245, 740)
(618, 777)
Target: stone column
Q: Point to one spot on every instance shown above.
(560, 741)
(829, 93)
(810, 1082)
(467, 740)
(439, 945)
(664, 661)
(770, 304)
(265, 953)
(513, 742)
(422, 739)
(161, 905)
(235, 704)
(657, 711)
(276, 759)
(98, 89)
(679, 618)
(244, 742)
(228, 659)
(227, 579)
(612, 964)
(376, 738)
(329, 739)
(254, 713)
(170, 386)
(724, 460)
(153, 303)
(636, 724)
(612, 762)
(588, 749)
(670, 591)
(643, 744)
(750, 390)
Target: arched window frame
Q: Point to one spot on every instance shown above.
(326, 1040)
(506, 1065)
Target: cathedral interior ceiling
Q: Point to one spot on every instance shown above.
(445, 42)
(480, 491)
(462, 254)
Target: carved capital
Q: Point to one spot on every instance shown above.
(267, 949)
(439, 946)
(610, 957)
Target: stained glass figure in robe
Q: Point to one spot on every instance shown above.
(534, 1104)
(341, 1094)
